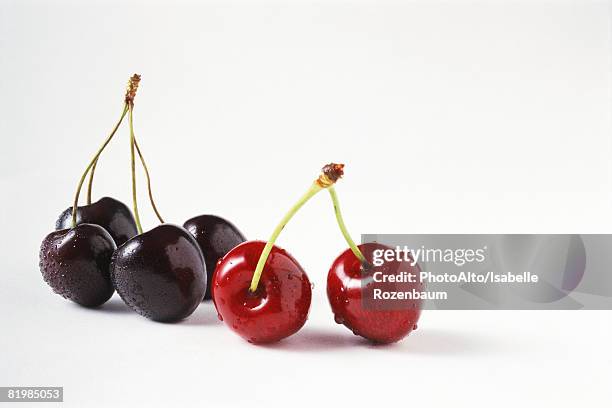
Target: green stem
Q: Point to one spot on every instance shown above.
(90, 184)
(133, 162)
(345, 233)
(146, 170)
(91, 164)
(93, 168)
(314, 189)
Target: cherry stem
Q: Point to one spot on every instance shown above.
(90, 183)
(93, 168)
(342, 226)
(89, 167)
(133, 165)
(330, 173)
(314, 189)
(146, 170)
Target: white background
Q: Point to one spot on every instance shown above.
(466, 117)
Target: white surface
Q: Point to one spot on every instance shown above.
(451, 117)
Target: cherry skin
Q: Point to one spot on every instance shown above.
(75, 263)
(216, 237)
(160, 274)
(348, 283)
(110, 214)
(277, 309)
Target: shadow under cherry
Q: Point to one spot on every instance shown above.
(420, 342)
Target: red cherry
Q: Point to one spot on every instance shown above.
(277, 309)
(348, 284)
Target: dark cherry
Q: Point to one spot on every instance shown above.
(216, 237)
(277, 309)
(111, 214)
(75, 263)
(349, 290)
(161, 273)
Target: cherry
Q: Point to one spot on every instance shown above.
(109, 213)
(350, 287)
(75, 260)
(216, 237)
(278, 307)
(75, 263)
(160, 274)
